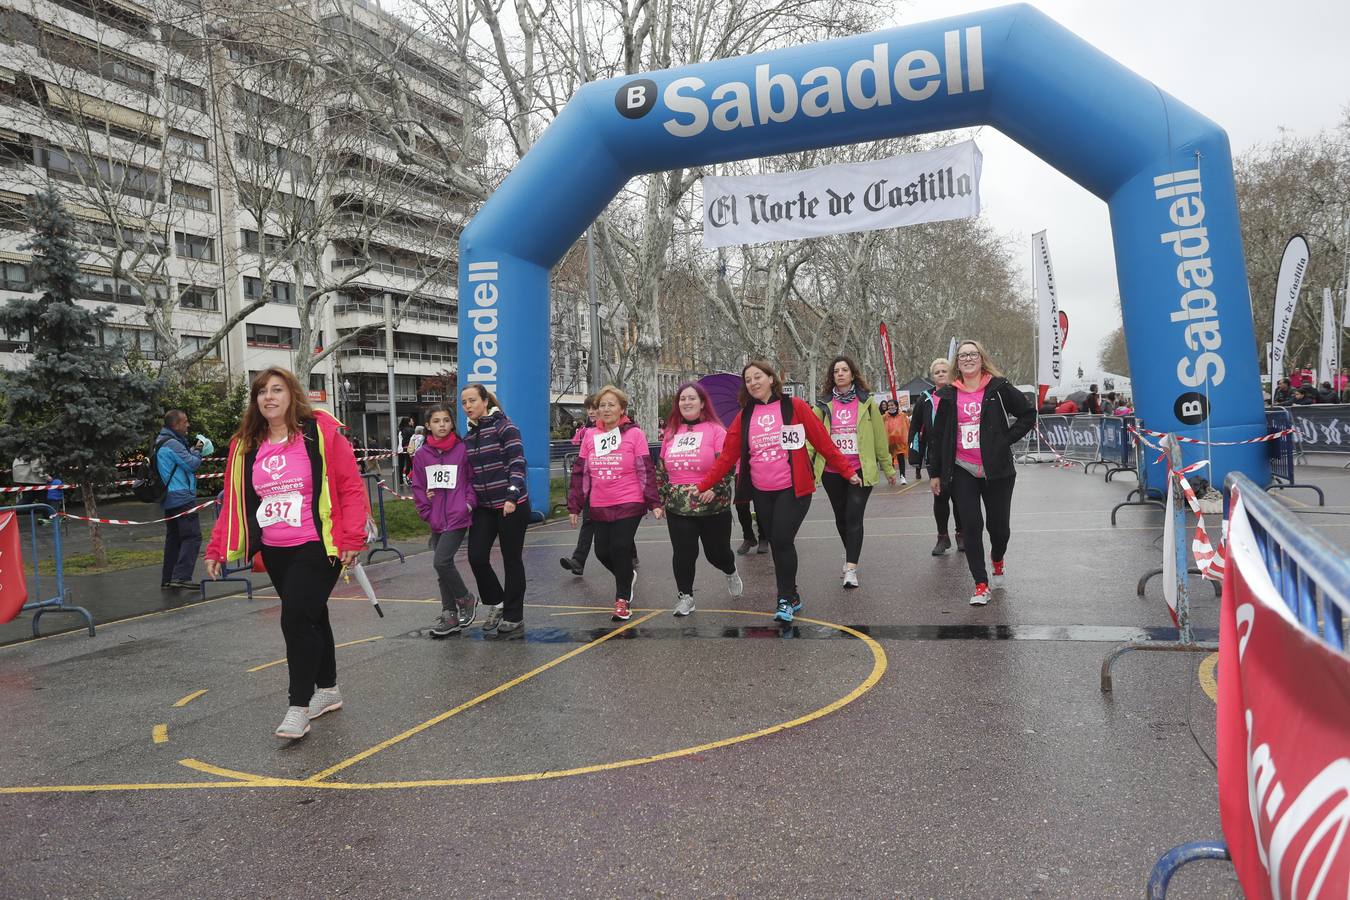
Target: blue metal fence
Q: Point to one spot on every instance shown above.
(53, 598)
(1282, 452)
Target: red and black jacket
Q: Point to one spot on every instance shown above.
(792, 411)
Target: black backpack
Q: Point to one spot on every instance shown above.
(150, 486)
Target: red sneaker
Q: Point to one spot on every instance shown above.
(981, 595)
(621, 613)
(997, 579)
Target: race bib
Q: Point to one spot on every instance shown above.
(442, 478)
(688, 442)
(607, 443)
(846, 442)
(280, 508)
(792, 437)
(970, 436)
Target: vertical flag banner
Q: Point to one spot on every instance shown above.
(1063, 330)
(890, 362)
(1293, 269)
(1331, 339)
(1051, 342)
(951, 356)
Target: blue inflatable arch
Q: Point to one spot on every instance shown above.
(1163, 169)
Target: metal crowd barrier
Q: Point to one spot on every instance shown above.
(1147, 494)
(375, 493)
(1116, 450)
(1313, 577)
(56, 602)
(1282, 452)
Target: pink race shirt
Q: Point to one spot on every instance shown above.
(844, 433)
(689, 452)
(285, 484)
(611, 462)
(969, 405)
(770, 468)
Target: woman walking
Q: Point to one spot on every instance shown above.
(920, 426)
(442, 488)
(970, 454)
(768, 438)
(897, 437)
(857, 431)
(614, 481)
(497, 462)
(293, 494)
(694, 436)
(576, 563)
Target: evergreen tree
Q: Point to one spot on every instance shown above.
(77, 407)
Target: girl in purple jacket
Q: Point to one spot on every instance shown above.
(443, 491)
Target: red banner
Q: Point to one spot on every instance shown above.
(890, 363)
(1283, 736)
(13, 586)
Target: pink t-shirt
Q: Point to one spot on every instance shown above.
(285, 484)
(770, 468)
(611, 462)
(844, 433)
(969, 405)
(689, 452)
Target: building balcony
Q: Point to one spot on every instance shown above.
(449, 359)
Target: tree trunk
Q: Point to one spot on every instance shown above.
(95, 532)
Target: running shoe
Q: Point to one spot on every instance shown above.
(850, 578)
(507, 631)
(324, 700)
(684, 605)
(796, 603)
(735, 586)
(784, 612)
(466, 610)
(981, 595)
(295, 725)
(960, 543)
(904, 480)
(494, 618)
(621, 612)
(446, 624)
(571, 564)
(943, 544)
(996, 580)
(763, 545)
(746, 546)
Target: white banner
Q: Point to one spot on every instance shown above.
(1331, 339)
(904, 190)
(1293, 269)
(1051, 342)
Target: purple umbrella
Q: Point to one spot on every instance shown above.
(723, 390)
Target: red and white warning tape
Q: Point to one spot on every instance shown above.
(186, 512)
(397, 496)
(1061, 462)
(1207, 559)
(1188, 440)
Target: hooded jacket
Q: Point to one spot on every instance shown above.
(341, 505)
(178, 466)
(1002, 402)
(873, 443)
(444, 509)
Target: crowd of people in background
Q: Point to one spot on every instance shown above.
(1301, 388)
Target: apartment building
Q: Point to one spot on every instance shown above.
(204, 179)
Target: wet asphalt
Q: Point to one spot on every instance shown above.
(894, 742)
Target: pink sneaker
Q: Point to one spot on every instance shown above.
(981, 595)
(621, 613)
(996, 581)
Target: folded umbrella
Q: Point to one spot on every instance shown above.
(363, 580)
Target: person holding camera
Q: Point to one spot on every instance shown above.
(178, 458)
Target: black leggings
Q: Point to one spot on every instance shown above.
(941, 503)
(967, 491)
(742, 504)
(780, 515)
(685, 533)
(304, 576)
(489, 526)
(614, 548)
(849, 502)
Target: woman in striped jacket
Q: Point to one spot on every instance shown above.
(497, 459)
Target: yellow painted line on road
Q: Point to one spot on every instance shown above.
(235, 775)
(150, 786)
(277, 662)
(190, 697)
(1206, 674)
(487, 695)
(160, 734)
(600, 609)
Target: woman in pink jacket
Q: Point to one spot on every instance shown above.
(614, 480)
(293, 493)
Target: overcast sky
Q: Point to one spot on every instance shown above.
(1252, 68)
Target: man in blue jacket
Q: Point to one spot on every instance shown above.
(178, 463)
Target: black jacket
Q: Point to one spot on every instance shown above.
(920, 418)
(1002, 401)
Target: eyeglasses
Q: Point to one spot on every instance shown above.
(967, 356)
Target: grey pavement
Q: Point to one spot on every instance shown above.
(894, 742)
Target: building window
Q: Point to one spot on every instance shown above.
(139, 340)
(276, 336)
(282, 291)
(185, 94)
(194, 342)
(194, 246)
(192, 296)
(13, 276)
(189, 145)
(107, 289)
(190, 196)
(249, 239)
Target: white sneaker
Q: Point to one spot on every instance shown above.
(904, 480)
(324, 700)
(735, 586)
(494, 617)
(685, 605)
(295, 725)
(850, 578)
(981, 595)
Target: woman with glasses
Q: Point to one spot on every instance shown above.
(980, 415)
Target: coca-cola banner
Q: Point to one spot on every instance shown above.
(1283, 737)
(903, 190)
(1322, 428)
